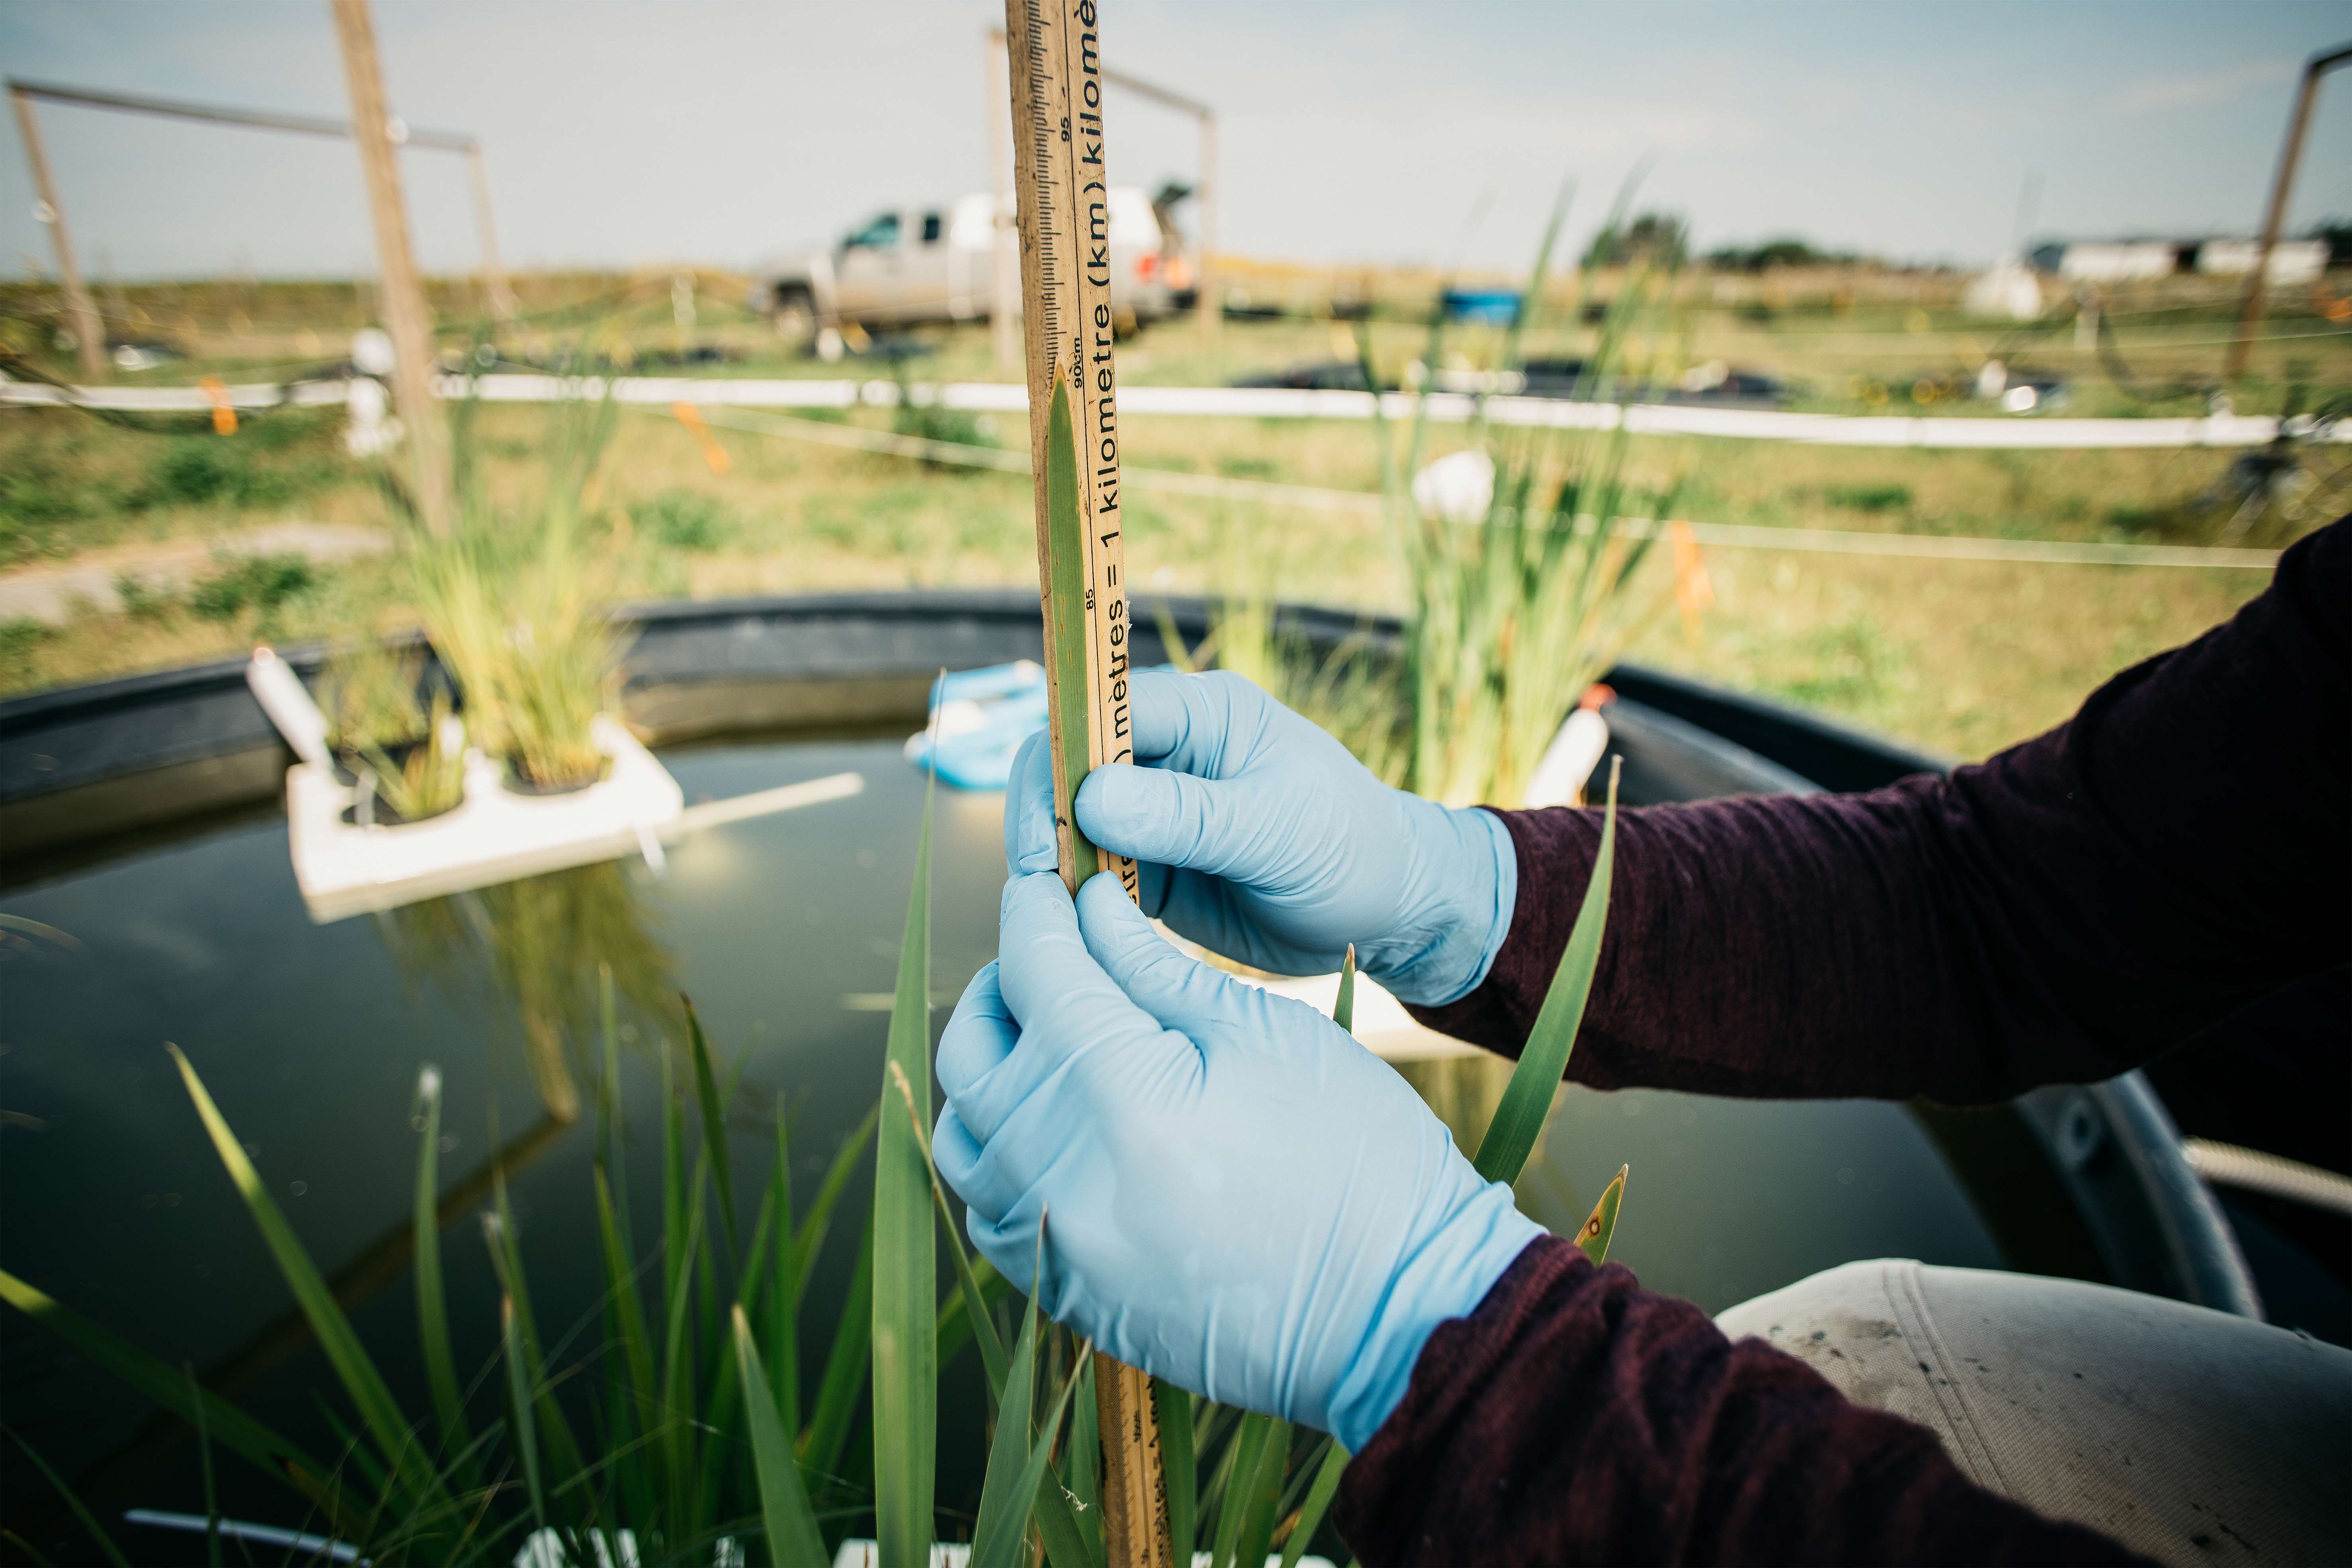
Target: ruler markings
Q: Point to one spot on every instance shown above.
(1073, 386)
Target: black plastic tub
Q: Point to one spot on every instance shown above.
(151, 810)
(82, 770)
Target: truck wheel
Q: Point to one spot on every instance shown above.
(795, 314)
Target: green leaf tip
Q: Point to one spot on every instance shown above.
(1602, 1222)
(1543, 1063)
(1343, 1011)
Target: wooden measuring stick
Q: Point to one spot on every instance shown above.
(1063, 198)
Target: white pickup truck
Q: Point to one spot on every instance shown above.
(939, 264)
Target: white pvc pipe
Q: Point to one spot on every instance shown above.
(281, 695)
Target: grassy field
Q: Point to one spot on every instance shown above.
(1961, 657)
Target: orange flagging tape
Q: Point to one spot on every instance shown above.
(699, 428)
(224, 411)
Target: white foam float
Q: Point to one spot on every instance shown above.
(496, 834)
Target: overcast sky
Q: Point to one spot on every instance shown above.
(628, 134)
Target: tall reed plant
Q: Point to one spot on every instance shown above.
(517, 601)
(1513, 612)
(1512, 606)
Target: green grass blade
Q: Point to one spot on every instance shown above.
(1245, 1458)
(1318, 1503)
(205, 1460)
(1176, 1458)
(674, 1190)
(819, 1219)
(844, 1369)
(611, 1134)
(1040, 1468)
(751, 1284)
(1057, 1520)
(714, 1128)
(432, 1299)
(1343, 1011)
(1004, 1505)
(972, 1294)
(906, 1252)
(1066, 624)
(378, 1410)
(710, 1343)
(620, 1288)
(722, 1434)
(1602, 1224)
(165, 1386)
(562, 1450)
(784, 1292)
(998, 1537)
(792, 1533)
(1519, 1118)
(957, 1317)
(677, 1411)
(1082, 1465)
(1214, 1426)
(89, 1521)
(519, 1399)
(1259, 1517)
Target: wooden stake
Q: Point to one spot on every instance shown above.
(90, 331)
(1063, 197)
(406, 318)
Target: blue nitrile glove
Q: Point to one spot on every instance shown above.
(1263, 838)
(1236, 1196)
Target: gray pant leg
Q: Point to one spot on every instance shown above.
(2186, 1434)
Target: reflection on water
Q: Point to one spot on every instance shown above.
(541, 946)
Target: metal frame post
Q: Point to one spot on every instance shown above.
(1204, 271)
(2250, 313)
(500, 297)
(89, 329)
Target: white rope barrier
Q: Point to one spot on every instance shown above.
(1263, 403)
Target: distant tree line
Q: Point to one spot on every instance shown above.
(1662, 238)
(1786, 251)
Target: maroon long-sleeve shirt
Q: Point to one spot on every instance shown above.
(2061, 913)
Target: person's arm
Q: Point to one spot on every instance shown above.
(1575, 1417)
(2060, 913)
(1220, 1186)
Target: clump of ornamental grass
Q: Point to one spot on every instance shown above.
(674, 1423)
(429, 777)
(515, 599)
(1515, 603)
(370, 689)
(1515, 610)
(407, 754)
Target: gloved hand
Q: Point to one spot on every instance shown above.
(1235, 1195)
(1261, 837)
